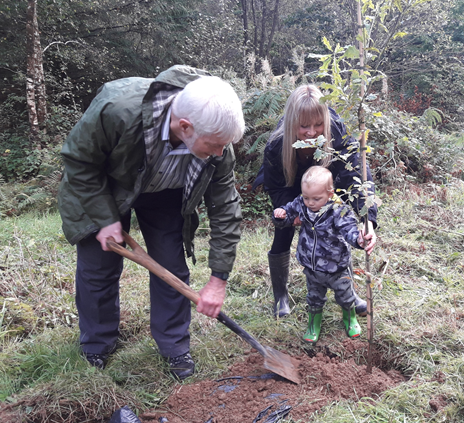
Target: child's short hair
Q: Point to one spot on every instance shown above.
(318, 175)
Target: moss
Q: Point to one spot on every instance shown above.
(17, 318)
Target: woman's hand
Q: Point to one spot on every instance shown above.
(370, 237)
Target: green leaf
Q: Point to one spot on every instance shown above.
(400, 34)
(418, 2)
(352, 53)
(327, 43)
(325, 66)
(318, 154)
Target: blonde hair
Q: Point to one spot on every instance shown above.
(318, 175)
(302, 108)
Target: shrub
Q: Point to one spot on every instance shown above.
(406, 146)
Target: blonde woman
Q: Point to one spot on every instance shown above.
(283, 167)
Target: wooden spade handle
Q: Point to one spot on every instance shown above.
(140, 256)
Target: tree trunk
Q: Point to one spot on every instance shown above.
(35, 83)
(263, 28)
(363, 148)
(246, 39)
(255, 27)
(243, 3)
(275, 20)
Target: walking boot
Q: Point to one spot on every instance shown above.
(352, 328)
(314, 326)
(279, 265)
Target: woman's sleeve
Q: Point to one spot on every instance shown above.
(274, 178)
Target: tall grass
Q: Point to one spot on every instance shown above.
(418, 268)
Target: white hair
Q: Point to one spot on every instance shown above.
(212, 107)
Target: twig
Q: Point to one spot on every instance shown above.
(61, 42)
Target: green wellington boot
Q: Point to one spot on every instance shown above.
(352, 328)
(314, 326)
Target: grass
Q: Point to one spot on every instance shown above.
(417, 267)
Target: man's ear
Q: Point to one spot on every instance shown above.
(186, 127)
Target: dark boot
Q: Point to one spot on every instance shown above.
(182, 366)
(360, 305)
(279, 265)
(314, 326)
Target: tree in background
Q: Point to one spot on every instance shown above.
(35, 81)
(264, 15)
(90, 42)
(214, 40)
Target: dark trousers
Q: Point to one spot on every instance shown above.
(98, 272)
(318, 283)
(282, 240)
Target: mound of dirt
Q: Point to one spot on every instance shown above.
(248, 393)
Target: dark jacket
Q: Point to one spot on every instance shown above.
(272, 175)
(325, 237)
(105, 163)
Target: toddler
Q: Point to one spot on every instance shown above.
(327, 231)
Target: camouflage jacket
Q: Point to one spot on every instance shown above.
(325, 236)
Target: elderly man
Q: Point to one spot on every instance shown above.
(159, 147)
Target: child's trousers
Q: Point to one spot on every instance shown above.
(318, 283)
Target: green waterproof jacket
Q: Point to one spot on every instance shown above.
(105, 162)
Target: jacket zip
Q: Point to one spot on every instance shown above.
(313, 228)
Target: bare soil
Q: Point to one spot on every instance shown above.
(249, 393)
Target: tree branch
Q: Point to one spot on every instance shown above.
(61, 42)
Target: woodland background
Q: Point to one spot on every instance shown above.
(54, 54)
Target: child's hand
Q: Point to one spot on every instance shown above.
(280, 213)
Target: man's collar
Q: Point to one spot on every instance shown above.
(166, 125)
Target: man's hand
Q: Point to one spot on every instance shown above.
(111, 231)
(371, 239)
(212, 297)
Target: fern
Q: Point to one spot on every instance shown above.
(39, 194)
(263, 106)
(258, 145)
(432, 117)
